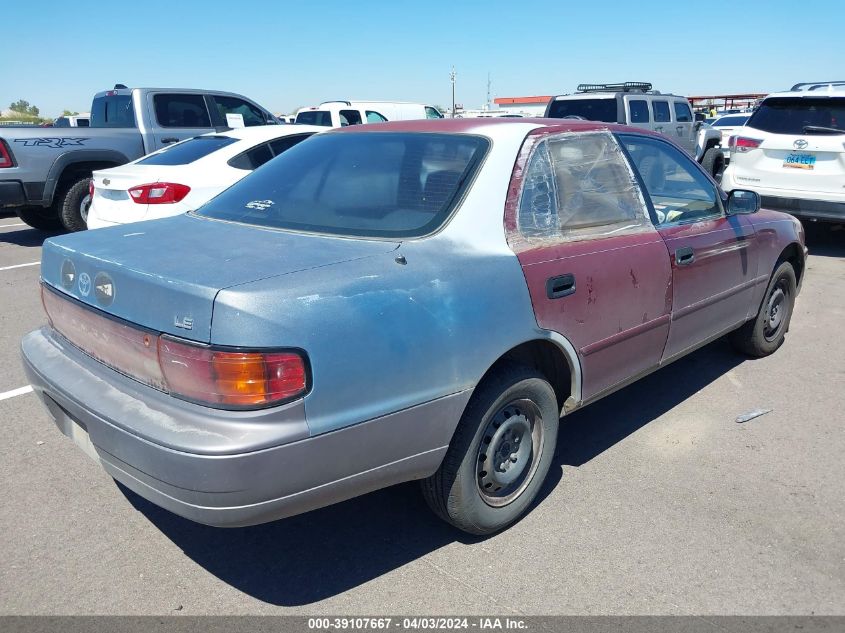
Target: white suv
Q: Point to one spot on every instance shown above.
(792, 152)
(634, 103)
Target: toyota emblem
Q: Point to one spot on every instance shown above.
(800, 144)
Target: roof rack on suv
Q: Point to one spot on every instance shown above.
(816, 85)
(336, 101)
(628, 86)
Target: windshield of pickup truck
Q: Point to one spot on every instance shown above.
(188, 151)
(380, 184)
(112, 111)
(590, 109)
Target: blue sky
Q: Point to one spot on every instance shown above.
(289, 54)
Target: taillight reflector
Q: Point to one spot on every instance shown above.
(221, 378)
(159, 193)
(91, 187)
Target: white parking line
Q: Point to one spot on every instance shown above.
(20, 265)
(15, 392)
(3, 226)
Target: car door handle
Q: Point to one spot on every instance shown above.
(560, 286)
(684, 256)
(680, 128)
(170, 139)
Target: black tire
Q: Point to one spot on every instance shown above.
(70, 204)
(39, 218)
(763, 334)
(713, 163)
(511, 400)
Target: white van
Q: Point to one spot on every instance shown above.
(343, 113)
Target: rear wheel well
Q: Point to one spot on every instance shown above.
(545, 357)
(794, 256)
(77, 171)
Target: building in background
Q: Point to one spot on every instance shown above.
(525, 106)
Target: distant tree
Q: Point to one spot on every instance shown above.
(24, 107)
(69, 113)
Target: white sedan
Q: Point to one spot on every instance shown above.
(186, 175)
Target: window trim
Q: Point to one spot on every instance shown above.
(652, 213)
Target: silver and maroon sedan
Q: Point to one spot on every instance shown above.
(413, 300)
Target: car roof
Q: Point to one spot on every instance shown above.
(498, 125)
(808, 94)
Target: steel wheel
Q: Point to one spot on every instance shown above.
(507, 454)
(776, 311)
(83, 208)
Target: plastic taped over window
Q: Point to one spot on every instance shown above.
(577, 186)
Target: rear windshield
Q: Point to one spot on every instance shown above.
(800, 115)
(188, 151)
(382, 184)
(730, 120)
(112, 111)
(315, 117)
(590, 109)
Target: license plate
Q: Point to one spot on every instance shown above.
(83, 440)
(800, 161)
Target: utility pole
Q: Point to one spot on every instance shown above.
(488, 91)
(452, 77)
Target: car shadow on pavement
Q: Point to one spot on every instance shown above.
(26, 236)
(314, 556)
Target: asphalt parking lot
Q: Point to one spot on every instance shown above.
(658, 502)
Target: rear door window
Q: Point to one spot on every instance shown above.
(590, 109)
(350, 117)
(800, 115)
(232, 105)
(661, 111)
(256, 156)
(683, 114)
(181, 110)
(638, 109)
(188, 151)
(252, 158)
(113, 111)
(432, 113)
(577, 187)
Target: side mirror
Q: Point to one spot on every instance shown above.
(742, 202)
(697, 125)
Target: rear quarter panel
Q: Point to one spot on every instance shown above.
(382, 336)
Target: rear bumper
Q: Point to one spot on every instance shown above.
(802, 204)
(12, 194)
(810, 209)
(203, 468)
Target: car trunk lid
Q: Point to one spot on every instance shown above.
(165, 274)
(112, 201)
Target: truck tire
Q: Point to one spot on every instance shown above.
(40, 218)
(713, 163)
(73, 205)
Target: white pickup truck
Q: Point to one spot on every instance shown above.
(44, 172)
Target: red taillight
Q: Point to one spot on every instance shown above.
(743, 143)
(91, 187)
(5, 156)
(230, 378)
(203, 374)
(159, 193)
